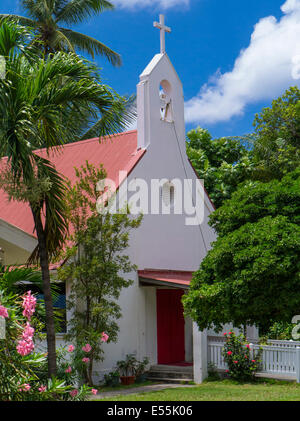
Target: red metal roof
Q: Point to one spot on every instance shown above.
(176, 277)
(116, 153)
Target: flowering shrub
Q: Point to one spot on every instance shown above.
(23, 373)
(74, 361)
(242, 362)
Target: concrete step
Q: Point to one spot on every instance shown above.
(170, 374)
(178, 368)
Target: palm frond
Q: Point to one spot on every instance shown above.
(11, 277)
(13, 37)
(27, 22)
(59, 42)
(115, 120)
(76, 11)
(87, 44)
(38, 10)
(54, 208)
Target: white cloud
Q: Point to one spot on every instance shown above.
(163, 4)
(261, 72)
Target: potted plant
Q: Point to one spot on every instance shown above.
(127, 369)
(140, 370)
(112, 379)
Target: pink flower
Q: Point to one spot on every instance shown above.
(25, 347)
(25, 344)
(68, 370)
(3, 312)
(87, 348)
(94, 391)
(71, 348)
(25, 387)
(28, 332)
(86, 360)
(29, 302)
(227, 371)
(42, 389)
(74, 393)
(253, 361)
(229, 352)
(235, 362)
(248, 346)
(225, 334)
(104, 337)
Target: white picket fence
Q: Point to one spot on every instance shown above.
(278, 357)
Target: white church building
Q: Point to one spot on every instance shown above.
(168, 246)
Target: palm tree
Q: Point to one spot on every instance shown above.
(36, 99)
(46, 16)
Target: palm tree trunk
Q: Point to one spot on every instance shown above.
(44, 263)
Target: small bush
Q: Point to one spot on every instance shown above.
(112, 379)
(242, 362)
(212, 372)
(280, 331)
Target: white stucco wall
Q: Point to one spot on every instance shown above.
(137, 334)
(162, 241)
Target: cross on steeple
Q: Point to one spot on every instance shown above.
(163, 29)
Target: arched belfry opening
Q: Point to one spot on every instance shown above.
(165, 94)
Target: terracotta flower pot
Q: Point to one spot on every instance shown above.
(126, 380)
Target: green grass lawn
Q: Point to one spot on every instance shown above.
(223, 390)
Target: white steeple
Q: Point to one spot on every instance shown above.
(160, 102)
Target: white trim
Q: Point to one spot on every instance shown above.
(16, 236)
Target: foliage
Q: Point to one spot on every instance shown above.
(222, 163)
(24, 377)
(46, 16)
(276, 148)
(96, 264)
(112, 379)
(212, 372)
(271, 152)
(279, 331)
(242, 362)
(127, 366)
(251, 274)
(17, 280)
(256, 200)
(132, 367)
(140, 367)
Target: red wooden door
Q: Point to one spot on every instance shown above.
(170, 326)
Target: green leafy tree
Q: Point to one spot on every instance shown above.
(47, 16)
(37, 96)
(251, 275)
(222, 163)
(276, 148)
(97, 262)
(256, 200)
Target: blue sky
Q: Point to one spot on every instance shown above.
(233, 57)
